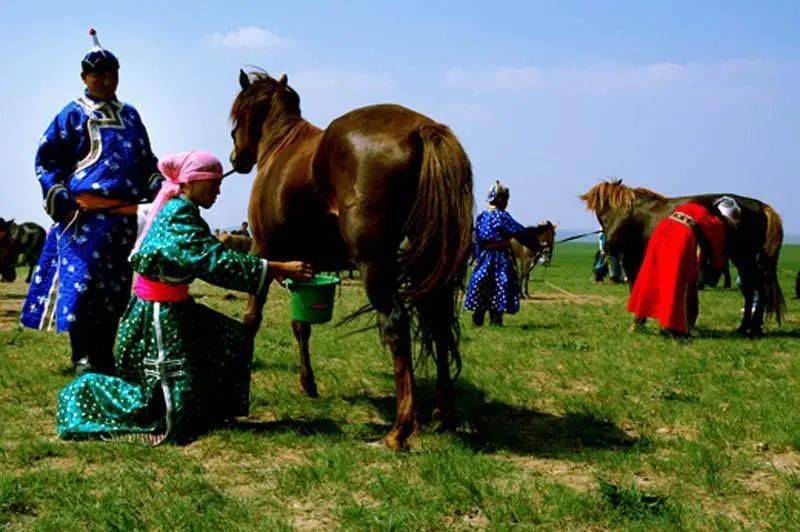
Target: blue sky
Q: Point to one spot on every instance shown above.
(549, 97)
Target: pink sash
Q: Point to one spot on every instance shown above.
(150, 290)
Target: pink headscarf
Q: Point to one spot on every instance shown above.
(180, 168)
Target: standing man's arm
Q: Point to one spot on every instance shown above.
(149, 163)
(55, 161)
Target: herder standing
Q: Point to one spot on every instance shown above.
(95, 165)
(493, 284)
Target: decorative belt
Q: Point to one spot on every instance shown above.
(93, 203)
(684, 219)
(150, 290)
(699, 236)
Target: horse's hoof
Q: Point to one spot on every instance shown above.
(395, 444)
(309, 390)
(444, 420)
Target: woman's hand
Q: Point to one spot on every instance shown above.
(296, 270)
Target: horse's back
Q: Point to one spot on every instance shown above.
(369, 159)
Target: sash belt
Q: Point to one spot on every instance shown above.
(93, 203)
(150, 290)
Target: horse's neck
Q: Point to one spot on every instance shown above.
(289, 132)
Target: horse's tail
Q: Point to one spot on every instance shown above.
(775, 304)
(439, 226)
(439, 232)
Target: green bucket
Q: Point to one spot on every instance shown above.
(312, 301)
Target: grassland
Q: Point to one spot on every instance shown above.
(567, 421)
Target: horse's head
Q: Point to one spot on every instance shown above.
(6, 228)
(547, 232)
(260, 107)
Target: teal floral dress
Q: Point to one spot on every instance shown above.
(182, 367)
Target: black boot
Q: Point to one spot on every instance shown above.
(477, 317)
(81, 350)
(102, 358)
(496, 319)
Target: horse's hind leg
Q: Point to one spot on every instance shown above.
(380, 281)
(437, 314)
(762, 292)
(302, 333)
(747, 274)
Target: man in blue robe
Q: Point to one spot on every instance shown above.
(493, 284)
(95, 165)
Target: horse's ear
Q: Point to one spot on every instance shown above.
(283, 80)
(244, 80)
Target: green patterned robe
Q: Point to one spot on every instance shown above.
(181, 367)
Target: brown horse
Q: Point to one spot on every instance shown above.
(354, 191)
(527, 256)
(629, 215)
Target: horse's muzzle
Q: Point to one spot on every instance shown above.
(242, 167)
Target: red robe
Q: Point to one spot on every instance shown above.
(668, 277)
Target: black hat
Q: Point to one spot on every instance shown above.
(98, 59)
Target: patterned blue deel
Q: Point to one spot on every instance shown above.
(99, 148)
(493, 284)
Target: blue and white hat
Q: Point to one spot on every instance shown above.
(98, 59)
(497, 190)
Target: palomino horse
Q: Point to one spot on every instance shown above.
(355, 191)
(629, 215)
(526, 258)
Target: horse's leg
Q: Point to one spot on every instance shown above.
(439, 312)
(302, 333)
(397, 334)
(747, 275)
(395, 324)
(255, 313)
(528, 278)
(757, 319)
(32, 265)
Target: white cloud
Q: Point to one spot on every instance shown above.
(246, 37)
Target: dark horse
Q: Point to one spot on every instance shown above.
(354, 191)
(25, 240)
(629, 215)
(539, 245)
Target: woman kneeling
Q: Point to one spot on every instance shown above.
(182, 367)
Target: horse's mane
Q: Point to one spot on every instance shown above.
(614, 195)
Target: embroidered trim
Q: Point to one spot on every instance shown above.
(50, 300)
(49, 198)
(166, 369)
(109, 118)
(161, 358)
(263, 278)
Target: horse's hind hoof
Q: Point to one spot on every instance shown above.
(309, 390)
(755, 333)
(444, 420)
(395, 444)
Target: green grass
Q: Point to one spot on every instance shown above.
(567, 421)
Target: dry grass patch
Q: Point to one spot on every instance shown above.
(578, 476)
